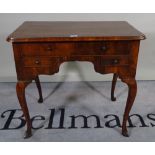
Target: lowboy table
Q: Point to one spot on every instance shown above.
(40, 48)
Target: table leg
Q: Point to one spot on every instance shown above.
(132, 85)
(115, 76)
(39, 89)
(20, 89)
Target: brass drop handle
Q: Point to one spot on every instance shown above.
(49, 48)
(115, 61)
(37, 62)
(103, 48)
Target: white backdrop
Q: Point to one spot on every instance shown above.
(78, 71)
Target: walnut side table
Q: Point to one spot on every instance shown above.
(41, 47)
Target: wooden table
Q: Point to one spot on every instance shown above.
(41, 47)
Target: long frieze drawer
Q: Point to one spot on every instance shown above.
(76, 48)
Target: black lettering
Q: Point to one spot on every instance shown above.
(150, 116)
(140, 118)
(85, 121)
(61, 121)
(115, 120)
(50, 124)
(37, 118)
(11, 117)
(61, 124)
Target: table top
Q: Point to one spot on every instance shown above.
(36, 31)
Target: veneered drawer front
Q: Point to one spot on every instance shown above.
(113, 60)
(39, 61)
(106, 60)
(103, 48)
(75, 48)
(46, 49)
(32, 66)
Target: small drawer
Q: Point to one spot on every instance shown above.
(121, 60)
(39, 61)
(36, 62)
(103, 48)
(47, 49)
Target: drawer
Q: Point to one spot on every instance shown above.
(113, 60)
(107, 60)
(76, 48)
(103, 48)
(39, 61)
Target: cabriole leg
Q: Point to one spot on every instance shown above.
(132, 85)
(39, 89)
(115, 76)
(20, 88)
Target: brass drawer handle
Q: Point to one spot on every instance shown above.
(115, 61)
(49, 48)
(37, 62)
(103, 48)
